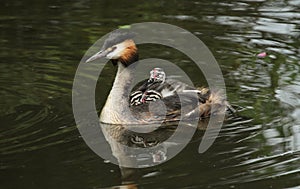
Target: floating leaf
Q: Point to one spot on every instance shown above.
(125, 27)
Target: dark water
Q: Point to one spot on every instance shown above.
(42, 43)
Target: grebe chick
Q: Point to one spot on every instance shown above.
(120, 48)
(146, 92)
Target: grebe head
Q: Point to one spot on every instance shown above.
(119, 46)
(157, 75)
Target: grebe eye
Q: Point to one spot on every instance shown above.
(110, 49)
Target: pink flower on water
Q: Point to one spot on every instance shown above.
(262, 55)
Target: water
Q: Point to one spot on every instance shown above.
(42, 43)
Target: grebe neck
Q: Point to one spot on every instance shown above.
(116, 109)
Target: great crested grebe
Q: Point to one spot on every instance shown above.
(123, 107)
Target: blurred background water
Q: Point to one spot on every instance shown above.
(43, 41)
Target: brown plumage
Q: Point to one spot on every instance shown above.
(129, 54)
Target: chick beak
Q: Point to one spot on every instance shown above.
(98, 55)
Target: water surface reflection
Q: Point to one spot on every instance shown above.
(42, 43)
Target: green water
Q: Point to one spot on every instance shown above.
(42, 43)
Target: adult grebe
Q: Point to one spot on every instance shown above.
(123, 107)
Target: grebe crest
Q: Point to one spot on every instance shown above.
(119, 46)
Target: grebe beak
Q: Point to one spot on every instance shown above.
(98, 55)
